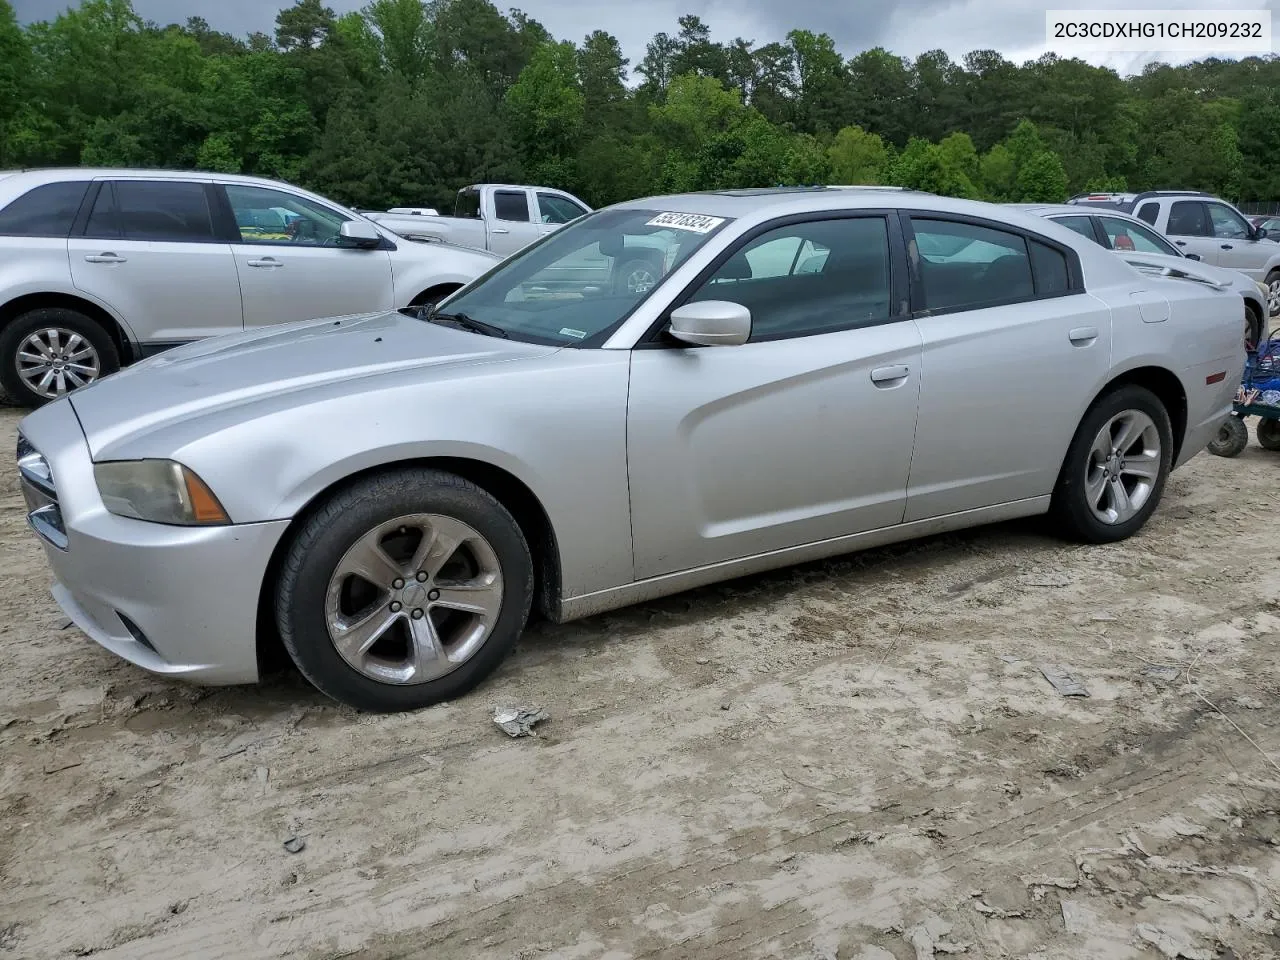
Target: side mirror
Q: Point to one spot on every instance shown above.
(1260, 233)
(1193, 256)
(357, 233)
(711, 323)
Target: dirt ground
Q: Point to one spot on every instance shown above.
(858, 759)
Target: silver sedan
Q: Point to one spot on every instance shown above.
(812, 371)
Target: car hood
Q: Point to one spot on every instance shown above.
(241, 370)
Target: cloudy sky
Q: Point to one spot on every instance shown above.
(907, 27)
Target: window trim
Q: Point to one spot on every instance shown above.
(81, 227)
(87, 183)
(1142, 206)
(1248, 226)
(528, 205)
(654, 338)
(1206, 220)
(539, 194)
(1099, 235)
(1075, 274)
(228, 228)
(1173, 250)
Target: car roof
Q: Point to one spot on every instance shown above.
(1074, 210)
(758, 204)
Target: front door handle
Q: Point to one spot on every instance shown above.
(105, 258)
(266, 262)
(889, 375)
(499, 230)
(1227, 246)
(1083, 336)
(1181, 243)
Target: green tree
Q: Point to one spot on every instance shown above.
(857, 157)
(1042, 179)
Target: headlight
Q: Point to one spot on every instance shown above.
(160, 491)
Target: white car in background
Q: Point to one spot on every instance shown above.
(1145, 248)
(100, 268)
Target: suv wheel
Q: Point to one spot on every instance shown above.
(49, 352)
(1273, 293)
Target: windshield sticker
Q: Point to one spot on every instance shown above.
(693, 222)
(576, 334)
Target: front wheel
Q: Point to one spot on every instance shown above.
(404, 590)
(1116, 467)
(1273, 293)
(48, 352)
(637, 277)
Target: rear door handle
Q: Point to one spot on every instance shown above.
(266, 262)
(1083, 336)
(889, 375)
(105, 258)
(1227, 246)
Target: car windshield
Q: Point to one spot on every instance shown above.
(576, 285)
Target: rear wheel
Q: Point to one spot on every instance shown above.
(1273, 293)
(1116, 467)
(49, 352)
(404, 590)
(1232, 438)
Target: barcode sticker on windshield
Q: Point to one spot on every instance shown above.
(693, 222)
(569, 332)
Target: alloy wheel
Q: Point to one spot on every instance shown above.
(413, 599)
(53, 361)
(1123, 467)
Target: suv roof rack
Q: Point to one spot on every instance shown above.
(1137, 197)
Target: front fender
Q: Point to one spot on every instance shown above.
(557, 424)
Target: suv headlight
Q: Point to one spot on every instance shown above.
(160, 491)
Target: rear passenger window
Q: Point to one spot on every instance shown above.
(511, 205)
(1149, 212)
(1188, 218)
(46, 211)
(964, 266)
(152, 210)
(1081, 225)
(1050, 268)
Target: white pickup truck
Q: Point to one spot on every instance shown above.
(496, 217)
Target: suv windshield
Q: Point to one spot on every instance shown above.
(578, 283)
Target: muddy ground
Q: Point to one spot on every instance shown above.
(855, 759)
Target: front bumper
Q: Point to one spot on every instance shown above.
(177, 601)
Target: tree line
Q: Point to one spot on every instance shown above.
(405, 101)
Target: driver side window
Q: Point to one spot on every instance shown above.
(1226, 225)
(808, 278)
(273, 217)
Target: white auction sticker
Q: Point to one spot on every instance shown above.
(1158, 31)
(693, 222)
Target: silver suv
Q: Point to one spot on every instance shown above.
(1205, 225)
(99, 268)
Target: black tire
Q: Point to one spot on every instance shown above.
(60, 318)
(1070, 507)
(429, 298)
(636, 276)
(1255, 329)
(1268, 431)
(1232, 438)
(346, 516)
